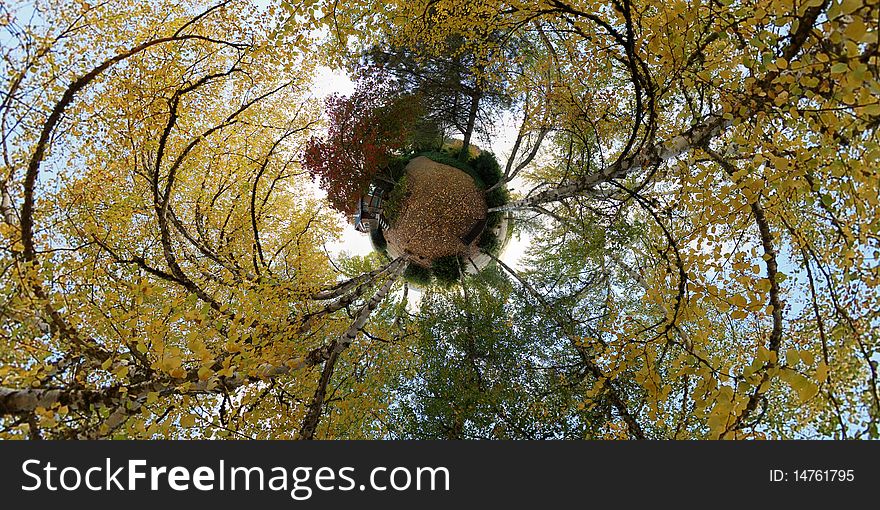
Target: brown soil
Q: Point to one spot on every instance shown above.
(442, 206)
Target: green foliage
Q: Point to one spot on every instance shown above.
(394, 170)
(417, 275)
(487, 168)
(497, 197)
(480, 359)
(448, 83)
(426, 135)
(446, 270)
(489, 242)
(394, 203)
(377, 236)
(494, 219)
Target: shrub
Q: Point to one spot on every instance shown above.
(394, 203)
(497, 197)
(487, 168)
(446, 270)
(489, 242)
(493, 220)
(417, 275)
(394, 170)
(377, 236)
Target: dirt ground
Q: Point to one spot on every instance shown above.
(442, 206)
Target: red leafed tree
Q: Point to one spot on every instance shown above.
(365, 130)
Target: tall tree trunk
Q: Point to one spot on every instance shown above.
(316, 407)
(343, 287)
(472, 120)
(698, 135)
(398, 266)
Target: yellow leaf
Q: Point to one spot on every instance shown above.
(850, 6)
(807, 356)
(805, 388)
(739, 301)
(822, 372)
(856, 30)
(872, 109)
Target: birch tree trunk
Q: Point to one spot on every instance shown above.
(398, 266)
(316, 407)
(696, 136)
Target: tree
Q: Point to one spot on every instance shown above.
(454, 91)
(742, 141)
(698, 181)
(161, 251)
(365, 131)
(488, 368)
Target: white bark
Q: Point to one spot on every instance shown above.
(711, 126)
(367, 309)
(343, 287)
